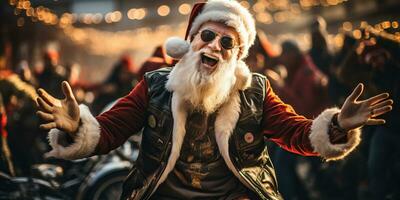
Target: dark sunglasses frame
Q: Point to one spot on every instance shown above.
(225, 41)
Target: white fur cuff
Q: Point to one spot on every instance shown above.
(85, 141)
(319, 137)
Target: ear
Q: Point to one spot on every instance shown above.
(243, 76)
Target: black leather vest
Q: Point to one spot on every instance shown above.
(247, 148)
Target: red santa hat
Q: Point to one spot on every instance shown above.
(229, 12)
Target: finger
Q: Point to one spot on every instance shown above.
(356, 92)
(375, 122)
(67, 91)
(387, 102)
(46, 97)
(45, 116)
(375, 99)
(37, 103)
(48, 126)
(43, 105)
(381, 110)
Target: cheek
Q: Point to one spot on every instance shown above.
(226, 55)
(197, 44)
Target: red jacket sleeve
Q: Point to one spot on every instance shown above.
(124, 119)
(283, 126)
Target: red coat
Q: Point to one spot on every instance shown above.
(280, 122)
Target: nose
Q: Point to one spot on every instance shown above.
(215, 45)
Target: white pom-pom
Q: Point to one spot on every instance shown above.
(176, 47)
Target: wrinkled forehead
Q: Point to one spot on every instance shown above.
(221, 29)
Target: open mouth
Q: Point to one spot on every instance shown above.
(209, 60)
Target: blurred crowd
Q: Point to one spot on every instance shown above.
(308, 80)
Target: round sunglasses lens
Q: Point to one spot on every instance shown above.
(207, 35)
(227, 42)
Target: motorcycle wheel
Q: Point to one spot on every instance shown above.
(108, 187)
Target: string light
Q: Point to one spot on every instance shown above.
(163, 10)
(395, 24)
(347, 26)
(264, 18)
(20, 22)
(265, 12)
(184, 9)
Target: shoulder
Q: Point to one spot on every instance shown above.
(258, 79)
(156, 76)
(157, 79)
(258, 85)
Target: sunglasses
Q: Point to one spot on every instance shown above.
(225, 41)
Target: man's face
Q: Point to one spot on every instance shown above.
(224, 40)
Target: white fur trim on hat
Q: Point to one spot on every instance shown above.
(176, 47)
(320, 141)
(85, 141)
(232, 14)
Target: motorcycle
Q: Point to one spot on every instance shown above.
(98, 177)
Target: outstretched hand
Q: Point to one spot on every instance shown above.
(355, 113)
(62, 114)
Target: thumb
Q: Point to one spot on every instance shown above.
(66, 88)
(356, 92)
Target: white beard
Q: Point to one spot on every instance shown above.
(202, 91)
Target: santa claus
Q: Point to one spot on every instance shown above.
(205, 120)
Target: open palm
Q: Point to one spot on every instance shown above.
(356, 113)
(62, 114)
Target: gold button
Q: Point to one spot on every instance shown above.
(249, 137)
(152, 121)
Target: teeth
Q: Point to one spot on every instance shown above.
(210, 56)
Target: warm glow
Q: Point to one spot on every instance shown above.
(295, 9)
(264, 18)
(338, 40)
(13, 2)
(136, 13)
(258, 7)
(357, 34)
(30, 12)
(131, 13)
(163, 10)
(87, 18)
(347, 26)
(20, 22)
(184, 9)
(332, 2)
(97, 18)
(395, 24)
(26, 4)
(116, 16)
(108, 18)
(363, 24)
(280, 17)
(386, 24)
(140, 13)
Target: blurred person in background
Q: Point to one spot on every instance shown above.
(52, 74)
(375, 62)
(261, 57)
(25, 73)
(119, 83)
(158, 59)
(19, 125)
(305, 88)
(381, 60)
(73, 71)
(304, 81)
(337, 88)
(319, 51)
